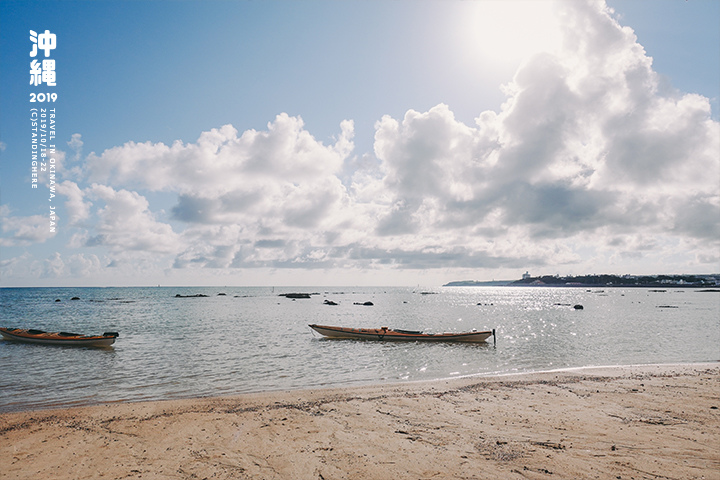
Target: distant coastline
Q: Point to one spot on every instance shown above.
(661, 281)
(473, 283)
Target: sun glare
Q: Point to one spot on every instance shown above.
(506, 32)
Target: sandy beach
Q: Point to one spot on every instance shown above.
(640, 422)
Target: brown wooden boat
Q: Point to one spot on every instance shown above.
(58, 338)
(385, 333)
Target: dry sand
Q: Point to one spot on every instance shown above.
(650, 422)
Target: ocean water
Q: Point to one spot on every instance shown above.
(241, 340)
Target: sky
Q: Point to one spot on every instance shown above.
(357, 142)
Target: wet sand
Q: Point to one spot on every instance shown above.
(640, 422)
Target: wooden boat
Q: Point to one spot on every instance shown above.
(385, 333)
(59, 338)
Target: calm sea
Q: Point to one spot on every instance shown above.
(240, 340)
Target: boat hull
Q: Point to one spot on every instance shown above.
(57, 338)
(386, 334)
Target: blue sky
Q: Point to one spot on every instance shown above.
(363, 142)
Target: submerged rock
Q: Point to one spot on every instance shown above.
(295, 295)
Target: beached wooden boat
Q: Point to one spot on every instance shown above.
(59, 338)
(385, 333)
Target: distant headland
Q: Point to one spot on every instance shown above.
(599, 281)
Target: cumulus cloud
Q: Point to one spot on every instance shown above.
(585, 142)
(222, 162)
(274, 182)
(77, 209)
(23, 231)
(126, 223)
(76, 145)
(587, 159)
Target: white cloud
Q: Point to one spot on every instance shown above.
(76, 145)
(220, 162)
(84, 266)
(77, 209)
(23, 231)
(53, 266)
(588, 163)
(125, 223)
(585, 144)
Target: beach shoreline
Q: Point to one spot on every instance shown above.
(639, 421)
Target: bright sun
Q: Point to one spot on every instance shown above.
(506, 32)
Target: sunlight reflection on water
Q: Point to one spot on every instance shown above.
(252, 340)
